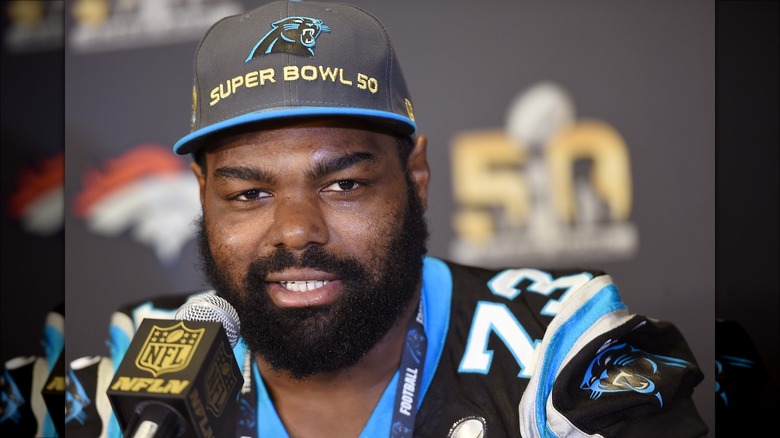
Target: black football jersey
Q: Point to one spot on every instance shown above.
(509, 353)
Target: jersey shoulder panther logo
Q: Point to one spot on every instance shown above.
(622, 368)
(296, 35)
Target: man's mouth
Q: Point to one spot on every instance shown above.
(303, 286)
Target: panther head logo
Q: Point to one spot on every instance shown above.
(76, 400)
(622, 368)
(296, 35)
(11, 399)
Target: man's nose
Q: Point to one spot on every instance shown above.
(298, 223)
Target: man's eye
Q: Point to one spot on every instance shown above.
(342, 186)
(251, 195)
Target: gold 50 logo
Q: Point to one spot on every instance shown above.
(547, 189)
(168, 349)
(100, 25)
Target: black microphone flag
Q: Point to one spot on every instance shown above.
(177, 379)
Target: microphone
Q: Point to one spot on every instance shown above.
(179, 378)
(209, 307)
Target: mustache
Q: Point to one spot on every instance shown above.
(314, 257)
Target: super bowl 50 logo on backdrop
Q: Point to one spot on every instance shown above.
(548, 188)
(33, 25)
(120, 24)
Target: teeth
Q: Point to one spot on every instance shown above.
(303, 286)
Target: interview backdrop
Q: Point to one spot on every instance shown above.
(560, 134)
(32, 95)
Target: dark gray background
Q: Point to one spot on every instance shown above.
(647, 68)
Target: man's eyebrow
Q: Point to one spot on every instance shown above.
(323, 168)
(244, 173)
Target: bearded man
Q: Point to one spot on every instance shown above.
(313, 183)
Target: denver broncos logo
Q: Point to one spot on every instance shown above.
(296, 35)
(622, 368)
(147, 191)
(39, 201)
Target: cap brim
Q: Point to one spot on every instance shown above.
(194, 140)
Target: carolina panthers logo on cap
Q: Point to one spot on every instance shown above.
(296, 35)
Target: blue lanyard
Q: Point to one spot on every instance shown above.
(410, 376)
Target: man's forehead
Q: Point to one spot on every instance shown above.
(331, 135)
(300, 145)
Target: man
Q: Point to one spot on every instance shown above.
(313, 183)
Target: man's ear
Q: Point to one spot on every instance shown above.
(196, 169)
(419, 170)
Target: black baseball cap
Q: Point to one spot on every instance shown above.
(296, 59)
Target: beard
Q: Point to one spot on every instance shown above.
(311, 340)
